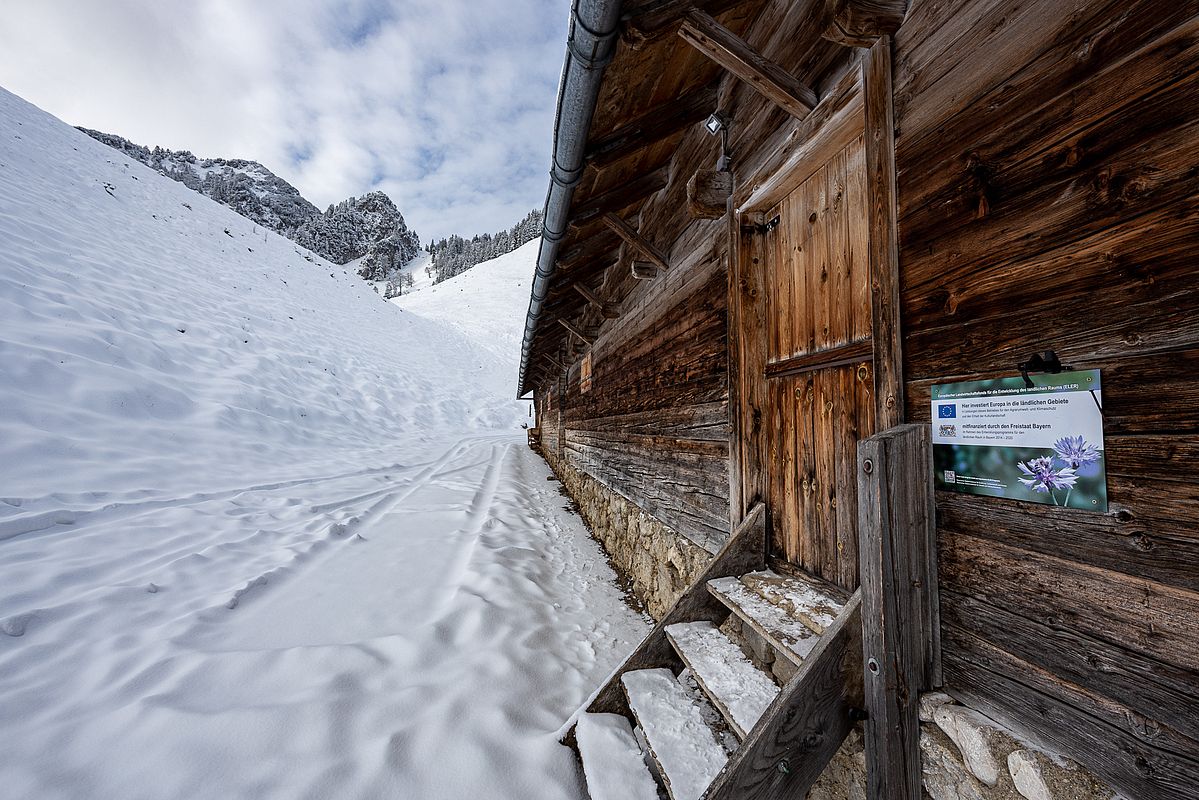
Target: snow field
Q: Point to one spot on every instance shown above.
(263, 534)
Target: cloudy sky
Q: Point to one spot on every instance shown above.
(446, 105)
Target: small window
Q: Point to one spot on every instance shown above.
(585, 374)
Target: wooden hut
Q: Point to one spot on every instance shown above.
(773, 227)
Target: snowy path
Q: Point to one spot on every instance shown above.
(262, 534)
(412, 632)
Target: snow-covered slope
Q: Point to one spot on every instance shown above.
(148, 335)
(263, 534)
(483, 305)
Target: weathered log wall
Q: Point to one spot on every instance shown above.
(1049, 199)
(654, 425)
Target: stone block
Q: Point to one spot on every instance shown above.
(1038, 777)
(783, 670)
(930, 702)
(762, 650)
(983, 745)
(945, 777)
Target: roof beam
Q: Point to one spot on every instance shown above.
(620, 198)
(636, 241)
(858, 23)
(654, 19)
(607, 309)
(733, 53)
(660, 122)
(575, 332)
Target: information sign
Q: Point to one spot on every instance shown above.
(1003, 439)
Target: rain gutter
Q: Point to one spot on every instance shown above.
(589, 47)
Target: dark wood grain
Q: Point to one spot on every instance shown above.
(1136, 754)
(882, 226)
(899, 616)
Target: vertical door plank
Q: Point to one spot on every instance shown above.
(799, 202)
(819, 267)
(825, 492)
(789, 465)
(776, 302)
(807, 518)
(846, 437)
(775, 404)
(837, 244)
(858, 240)
(784, 260)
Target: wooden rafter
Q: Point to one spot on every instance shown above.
(652, 127)
(857, 23)
(623, 196)
(636, 241)
(733, 53)
(654, 19)
(578, 334)
(607, 309)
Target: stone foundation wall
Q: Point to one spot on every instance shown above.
(658, 563)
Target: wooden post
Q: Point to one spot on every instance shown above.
(900, 624)
(884, 247)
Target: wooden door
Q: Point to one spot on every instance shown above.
(819, 376)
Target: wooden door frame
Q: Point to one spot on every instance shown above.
(860, 103)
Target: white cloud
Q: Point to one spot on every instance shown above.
(447, 105)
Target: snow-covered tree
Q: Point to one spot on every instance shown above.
(456, 255)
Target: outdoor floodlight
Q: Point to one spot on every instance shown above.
(716, 123)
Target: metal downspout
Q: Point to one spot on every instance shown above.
(589, 47)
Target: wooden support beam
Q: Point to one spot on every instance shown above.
(735, 55)
(883, 250)
(858, 23)
(555, 362)
(578, 334)
(620, 198)
(653, 19)
(636, 241)
(708, 193)
(900, 617)
(805, 725)
(658, 123)
(607, 309)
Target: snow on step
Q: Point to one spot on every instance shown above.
(612, 760)
(805, 599)
(676, 722)
(780, 627)
(739, 689)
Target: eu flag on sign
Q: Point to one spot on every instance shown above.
(949, 411)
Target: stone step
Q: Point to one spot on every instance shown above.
(789, 612)
(613, 762)
(738, 689)
(683, 730)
